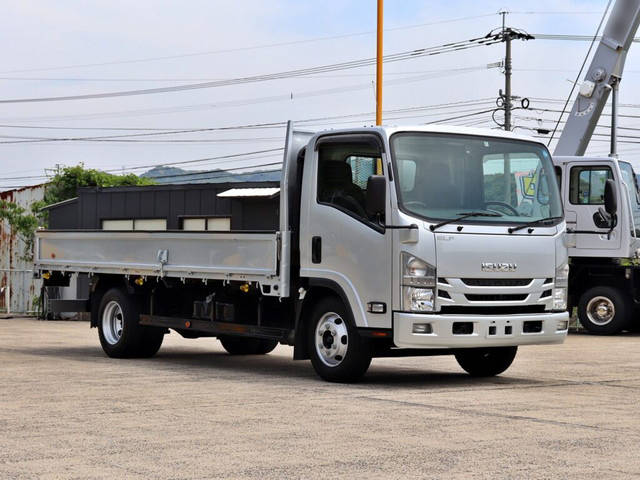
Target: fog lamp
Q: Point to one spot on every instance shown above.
(423, 328)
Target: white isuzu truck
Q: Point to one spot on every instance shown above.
(600, 194)
(430, 240)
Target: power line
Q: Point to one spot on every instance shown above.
(268, 125)
(564, 121)
(220, 170)
(310, 122)
(584, 62)
(192, 79)
(233, 156)
(401, 56)
(241, 49)
(602, 114)
(579, 38)
(183, 162)
(554, 12)
(234, 103)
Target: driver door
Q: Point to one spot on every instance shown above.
(585, 186)
(340, 243)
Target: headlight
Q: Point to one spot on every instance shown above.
(418, 299)
(560, 287)
(418, 282)
(416, 272)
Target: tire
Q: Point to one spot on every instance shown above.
(486, 362)
(121, 336)
(604, 310)
(247, 346)
(338, 353)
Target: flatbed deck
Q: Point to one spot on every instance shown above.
(251, 257)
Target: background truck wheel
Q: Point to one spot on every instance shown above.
(486, 362)
(121, 336)
(247, 346)
(337, 352)
(604, 310)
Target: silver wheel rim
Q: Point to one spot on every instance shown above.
(600, 311)
(332, 339)
(112, 322)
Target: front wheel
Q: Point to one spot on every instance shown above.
(604, 310)
(337, 352)
(486, 362)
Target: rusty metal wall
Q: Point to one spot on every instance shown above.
(17, 285)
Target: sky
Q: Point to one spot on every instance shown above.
(68, 48)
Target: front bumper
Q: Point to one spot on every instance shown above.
(488, 330)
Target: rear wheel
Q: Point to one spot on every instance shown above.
(247, 346)
(337, 352)
(486, 362)
(604, 310)
(121, 335)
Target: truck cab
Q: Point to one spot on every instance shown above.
(466, 249)
(604, 252)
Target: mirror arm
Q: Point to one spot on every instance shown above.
(379, 221)
(413, 226)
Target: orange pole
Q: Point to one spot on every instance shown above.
(379, 66)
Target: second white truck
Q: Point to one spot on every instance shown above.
(391, 242)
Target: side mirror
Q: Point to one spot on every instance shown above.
(606, 217)
(610, 200)
(376, 195)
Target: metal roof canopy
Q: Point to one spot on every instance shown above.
(249, 192)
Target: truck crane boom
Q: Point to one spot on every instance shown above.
(603, 75)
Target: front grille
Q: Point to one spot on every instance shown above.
(496, 297)
(444, 294)
(497, 282)
(545, 294)
(500, 310)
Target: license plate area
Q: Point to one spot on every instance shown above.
(500, 329)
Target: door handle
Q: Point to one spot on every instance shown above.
(316, 249)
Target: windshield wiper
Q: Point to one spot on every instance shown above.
(462, 217)
(542, 221)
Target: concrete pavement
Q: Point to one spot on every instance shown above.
(194, 412)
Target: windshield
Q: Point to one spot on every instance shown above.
(629, 178)
(441, 176)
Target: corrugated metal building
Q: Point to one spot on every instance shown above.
(215, 206)
(18, 289)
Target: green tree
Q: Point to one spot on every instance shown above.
(63, 186)
(22, 224)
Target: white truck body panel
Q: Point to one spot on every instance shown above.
(206, 255)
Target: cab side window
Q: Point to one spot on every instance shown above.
(586, 185)
(343, 172)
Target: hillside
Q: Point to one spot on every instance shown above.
(163, 175)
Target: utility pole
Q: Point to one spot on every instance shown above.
(507, 73)
(507, 34)
(379, 56)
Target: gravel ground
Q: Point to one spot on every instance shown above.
(67, 411)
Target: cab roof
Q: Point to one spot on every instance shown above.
(435, 128)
